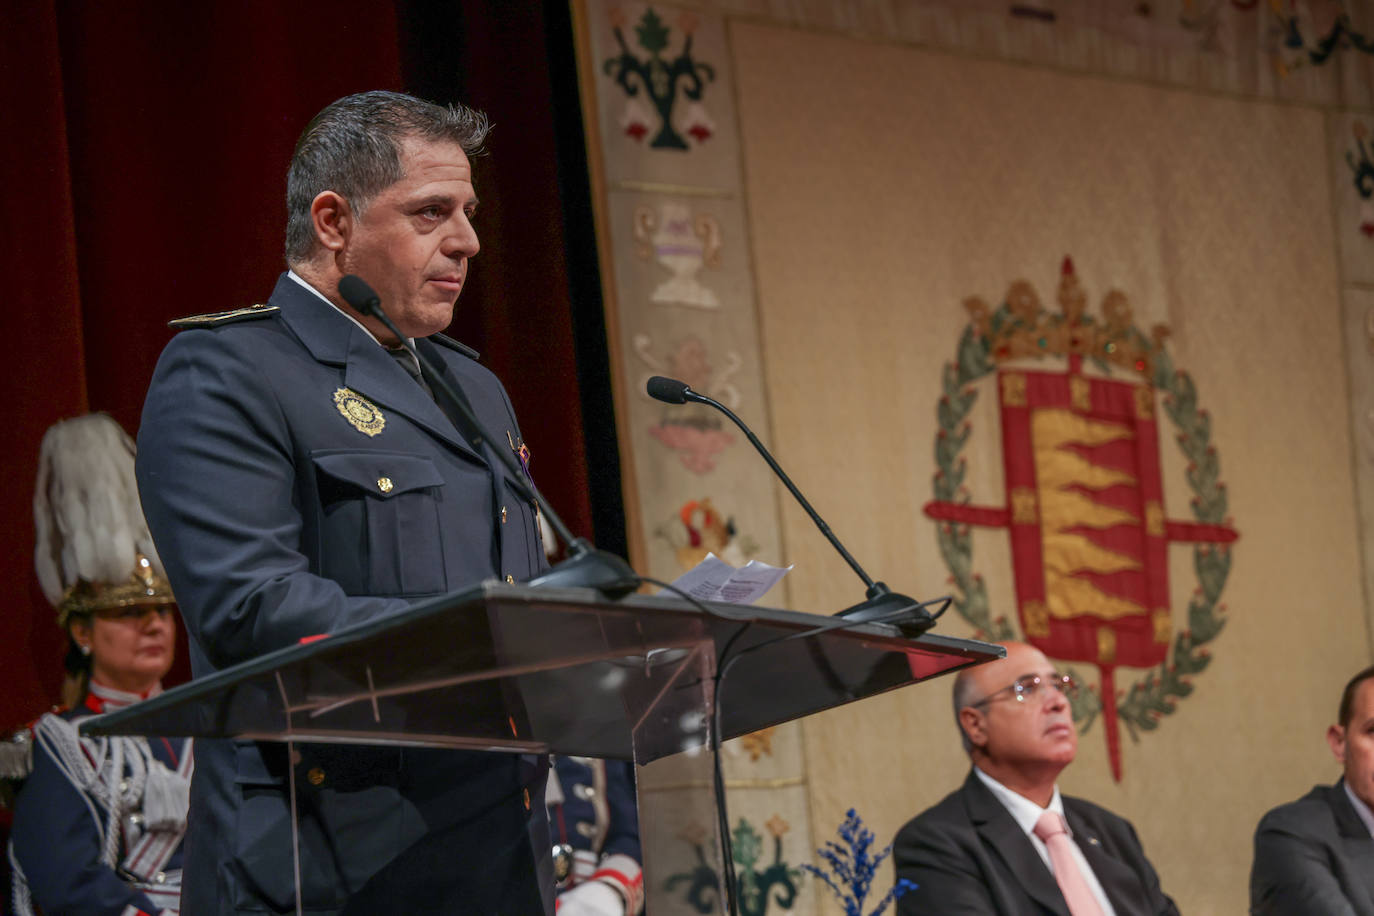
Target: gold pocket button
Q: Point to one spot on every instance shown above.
(315, 776)
(384, 484)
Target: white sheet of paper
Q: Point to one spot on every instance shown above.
(715, 580)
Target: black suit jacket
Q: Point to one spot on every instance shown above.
(1313, 855)
(968, 855)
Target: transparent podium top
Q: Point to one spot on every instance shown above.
(506, 667)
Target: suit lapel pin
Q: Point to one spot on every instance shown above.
(365, 416)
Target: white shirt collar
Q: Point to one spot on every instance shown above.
(1360, 807)
(1024, 811)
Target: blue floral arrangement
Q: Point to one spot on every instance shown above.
(850, 877)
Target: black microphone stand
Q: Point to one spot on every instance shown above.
(585, 566)
(880, 602)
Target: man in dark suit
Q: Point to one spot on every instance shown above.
(1316, 855)
(1007, 842)
(299, 477)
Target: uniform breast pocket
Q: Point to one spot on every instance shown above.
(379, 522)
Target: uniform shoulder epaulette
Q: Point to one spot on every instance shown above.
(215, 319)
(16, 755)
(455, 345)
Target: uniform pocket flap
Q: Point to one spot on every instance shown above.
(381, 474)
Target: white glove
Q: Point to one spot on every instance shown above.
(591, 899)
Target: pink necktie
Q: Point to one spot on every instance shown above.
(1050, 828)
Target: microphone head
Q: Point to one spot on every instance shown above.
(668, 390)
(358, 294)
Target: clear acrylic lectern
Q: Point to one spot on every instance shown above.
(509, 668)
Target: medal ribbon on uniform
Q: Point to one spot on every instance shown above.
(522, 451)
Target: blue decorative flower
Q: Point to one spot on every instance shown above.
(850, 876)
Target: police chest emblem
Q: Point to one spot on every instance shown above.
(365, 416)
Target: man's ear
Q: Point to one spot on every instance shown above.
(1335, 736)
(974, 726)
(333, 220)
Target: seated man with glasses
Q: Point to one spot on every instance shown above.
(1007, 842)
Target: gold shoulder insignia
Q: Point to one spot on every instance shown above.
(215, 319)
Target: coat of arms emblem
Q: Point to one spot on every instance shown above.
(1084, 496)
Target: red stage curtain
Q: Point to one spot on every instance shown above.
(144, 170)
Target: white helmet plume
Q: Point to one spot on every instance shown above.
(86, 513)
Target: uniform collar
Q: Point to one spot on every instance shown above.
(102, 699)
(321, 328)
(291, 274)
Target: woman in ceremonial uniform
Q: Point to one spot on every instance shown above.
(98, 823)
(595, 828)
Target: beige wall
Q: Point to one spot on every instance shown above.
(885, 185)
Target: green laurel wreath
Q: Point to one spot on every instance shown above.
(1155, 694)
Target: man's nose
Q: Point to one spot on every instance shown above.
(462, 242)
(1055, 699)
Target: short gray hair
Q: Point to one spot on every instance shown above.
(353, 147)
(963, 696)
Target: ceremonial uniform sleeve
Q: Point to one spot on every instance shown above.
(623, 835)
(217, 477)
(58, 846)
(621, 865)
(1292, 873)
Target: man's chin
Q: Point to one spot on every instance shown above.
(1062, 747)
(431, 319)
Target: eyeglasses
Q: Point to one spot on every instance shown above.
(1028, 687)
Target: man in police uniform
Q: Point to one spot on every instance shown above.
(298, 477)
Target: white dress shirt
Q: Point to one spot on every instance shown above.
(1026, 813)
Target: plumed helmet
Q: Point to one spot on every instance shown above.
(93, 550)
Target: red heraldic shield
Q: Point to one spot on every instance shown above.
(1084, 494)
(1086, 519)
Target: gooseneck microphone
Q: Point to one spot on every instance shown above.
(881, 601)
(362, 297)
(671, 391)
(585, 566)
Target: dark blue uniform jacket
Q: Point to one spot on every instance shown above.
(59, 846)
(270, 511)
